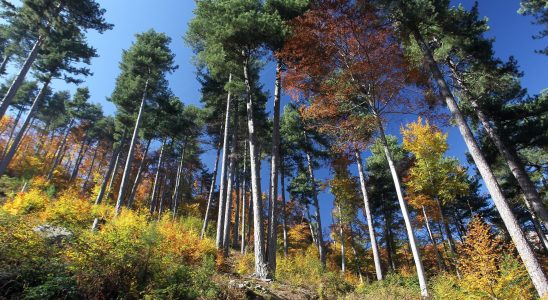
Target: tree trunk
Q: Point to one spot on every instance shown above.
(244, 200)
(352, 245)
(138, 176)
(16, 84)
(405, 214)
(157, 177)
(261, 267)
(228, 202)
(508, 153)
(59, 156)
(319, 233)
(311, 227)
(90, 167)
(511, 223)
(176, 193)
(388, 236)
(284, 217)
(274, 171)
(211, 191)
(113, 177)
(12, 131)
(222, 187)
(83, 149)
(129, 159)
(110, 169)
(236, 232)
(341, 234)
(369, 216)
(447, 230)
(4, 64)
(11, 152)
(439, 259)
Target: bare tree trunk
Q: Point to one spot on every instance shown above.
(157, 177)
(113, 177)
(110, 169)
(405, 214)
(16, 84)
(83, 149)
(129, 159)
(274, 171)
(60, 155)
(235, 231)
(508, 153)
(284, 216)
(12, 131)
(341, 234)
(439, 259)
(321, 246)
(90, 167)
(175, 199)
(11, 152)
(369, 216)
(211, 191)
(244, 200)
(261, 267)
(138, 176)
(222, 187)
(4, 64)
(511, 223)
(228, 202)
(311, 227)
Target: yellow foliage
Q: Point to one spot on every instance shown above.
(69, 209)
(33, 201)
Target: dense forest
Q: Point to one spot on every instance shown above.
(127, 205)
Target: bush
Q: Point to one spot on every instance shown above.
(394, 286)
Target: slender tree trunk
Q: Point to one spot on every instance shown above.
(129, 159)
(164, 188)
(369, 216)
(157, 177)
(138, 176)
(228, 202)
(88, 175)
(244, 200)
(508, 153)
(211, 191)
(12, 131)
(511, 223)
(341, 234)
(16, 84)
(284, 216)
(59, 157)
(405, 214)
(311, 227)
(176, 193)
(447, 230)
(110, 169)
(11, 152)
(355, 253)
(4, 64)
(261, 267)
(439, 259)
(274, 171)
(321, 246)
(83, 149)
(538, 228)
(113, 177)
(222, 187)
(236, 232)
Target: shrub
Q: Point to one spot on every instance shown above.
(394, 286)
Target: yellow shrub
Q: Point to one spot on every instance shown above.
(33, 201)
(245, 264)
(69, 209)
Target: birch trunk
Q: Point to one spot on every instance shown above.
(16, 84)
(13, 147)
(129, 159)
(341, 233)
(405, 214)
(211, 191)
(261, 267)
(222, 187)
(524, 249)
(369, 216)
(139, 175)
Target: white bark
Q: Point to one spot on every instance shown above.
(524, 249)
(211, 191)
(369, 217)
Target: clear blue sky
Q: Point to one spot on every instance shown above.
(512, 32)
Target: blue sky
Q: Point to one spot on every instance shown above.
(512, 32)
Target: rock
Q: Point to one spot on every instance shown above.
(54, 233)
